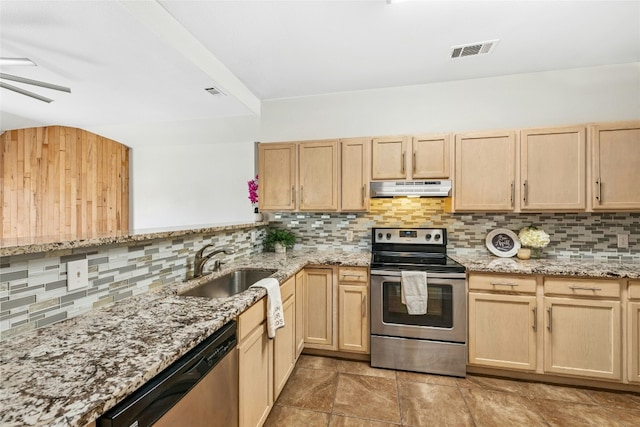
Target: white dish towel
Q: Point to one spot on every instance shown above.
(275, 313)
(413, 291)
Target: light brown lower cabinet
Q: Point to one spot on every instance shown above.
(318, 294)
(559, 326)
(353, 309)
(583, 337)
(503, 330)
(255, 361)
(299, 313)
(284, 343)
(353, 318)
(264, 364)
(633, 331)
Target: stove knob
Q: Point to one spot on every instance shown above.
(379, 235)
(437, 237)
(388, 236)
(428, 236)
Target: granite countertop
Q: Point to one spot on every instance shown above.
(551, 267)
(46, 244)
(70, 373)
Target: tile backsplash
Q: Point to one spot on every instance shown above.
(33, 287)
(573, 235)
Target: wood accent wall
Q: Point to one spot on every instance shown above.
(61, 183)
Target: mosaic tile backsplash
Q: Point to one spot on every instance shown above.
(573, 235)
(33, 291)
(33, 287)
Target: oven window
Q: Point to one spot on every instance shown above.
(439, 306)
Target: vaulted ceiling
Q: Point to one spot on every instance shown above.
(150, 61)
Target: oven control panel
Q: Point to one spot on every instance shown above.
(415, 236)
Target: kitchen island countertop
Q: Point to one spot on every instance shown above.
(70, 373)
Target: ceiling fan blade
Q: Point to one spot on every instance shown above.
(34, 82)
(25, 92)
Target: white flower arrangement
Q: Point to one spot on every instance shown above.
(533, 237)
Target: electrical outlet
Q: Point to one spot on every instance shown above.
(623, 241)
(253, 237)
(349, 236)
(77, 274)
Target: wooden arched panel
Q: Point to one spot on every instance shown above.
(61, 183)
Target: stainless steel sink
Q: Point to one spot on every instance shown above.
(230, 284)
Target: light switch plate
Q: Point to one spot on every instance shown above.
(623, 241)
(77, 274)
(349, 236)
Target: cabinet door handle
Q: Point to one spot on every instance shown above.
(402, 165)
(293, 195)
(599, 190)
(505, 284)
(363, 194)
(301, 195)
(414, 162)
(535, 319)
(584, 288)
(526, 192)
(513, 192)
(549, 313)
(364, 306)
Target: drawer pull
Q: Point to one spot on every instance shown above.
(351, 275)
(535, 319)
(505, 284)
(549, 324)
(584, 288)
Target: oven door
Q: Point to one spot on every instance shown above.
(446, 318)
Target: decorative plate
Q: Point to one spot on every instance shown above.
(502, 242)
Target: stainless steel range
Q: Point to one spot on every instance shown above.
(434, 342)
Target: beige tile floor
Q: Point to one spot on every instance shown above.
(324, 391)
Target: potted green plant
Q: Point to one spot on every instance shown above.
(278, 240)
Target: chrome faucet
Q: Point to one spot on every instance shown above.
(201, 260)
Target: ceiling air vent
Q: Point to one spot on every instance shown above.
(473, 49)
(214, 91)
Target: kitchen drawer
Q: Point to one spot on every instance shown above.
(582, 287)
(353, 275)
(252, 318)
(288, 288)
(634, 289)
(490, 282)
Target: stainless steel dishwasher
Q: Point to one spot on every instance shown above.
(199, 389)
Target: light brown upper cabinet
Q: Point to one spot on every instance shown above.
(277, 172)
(485, 171)
(616, 166)
(553, 169)
(389, 158)
(420, 157)
(355, 174)
(318, 176)
(430, 156)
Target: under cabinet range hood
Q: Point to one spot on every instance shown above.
(438, 188)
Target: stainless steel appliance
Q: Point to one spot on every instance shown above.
(433, 188)
(200, 389)
(436, 341)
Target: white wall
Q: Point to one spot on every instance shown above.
(605, 93)
(189, 173)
